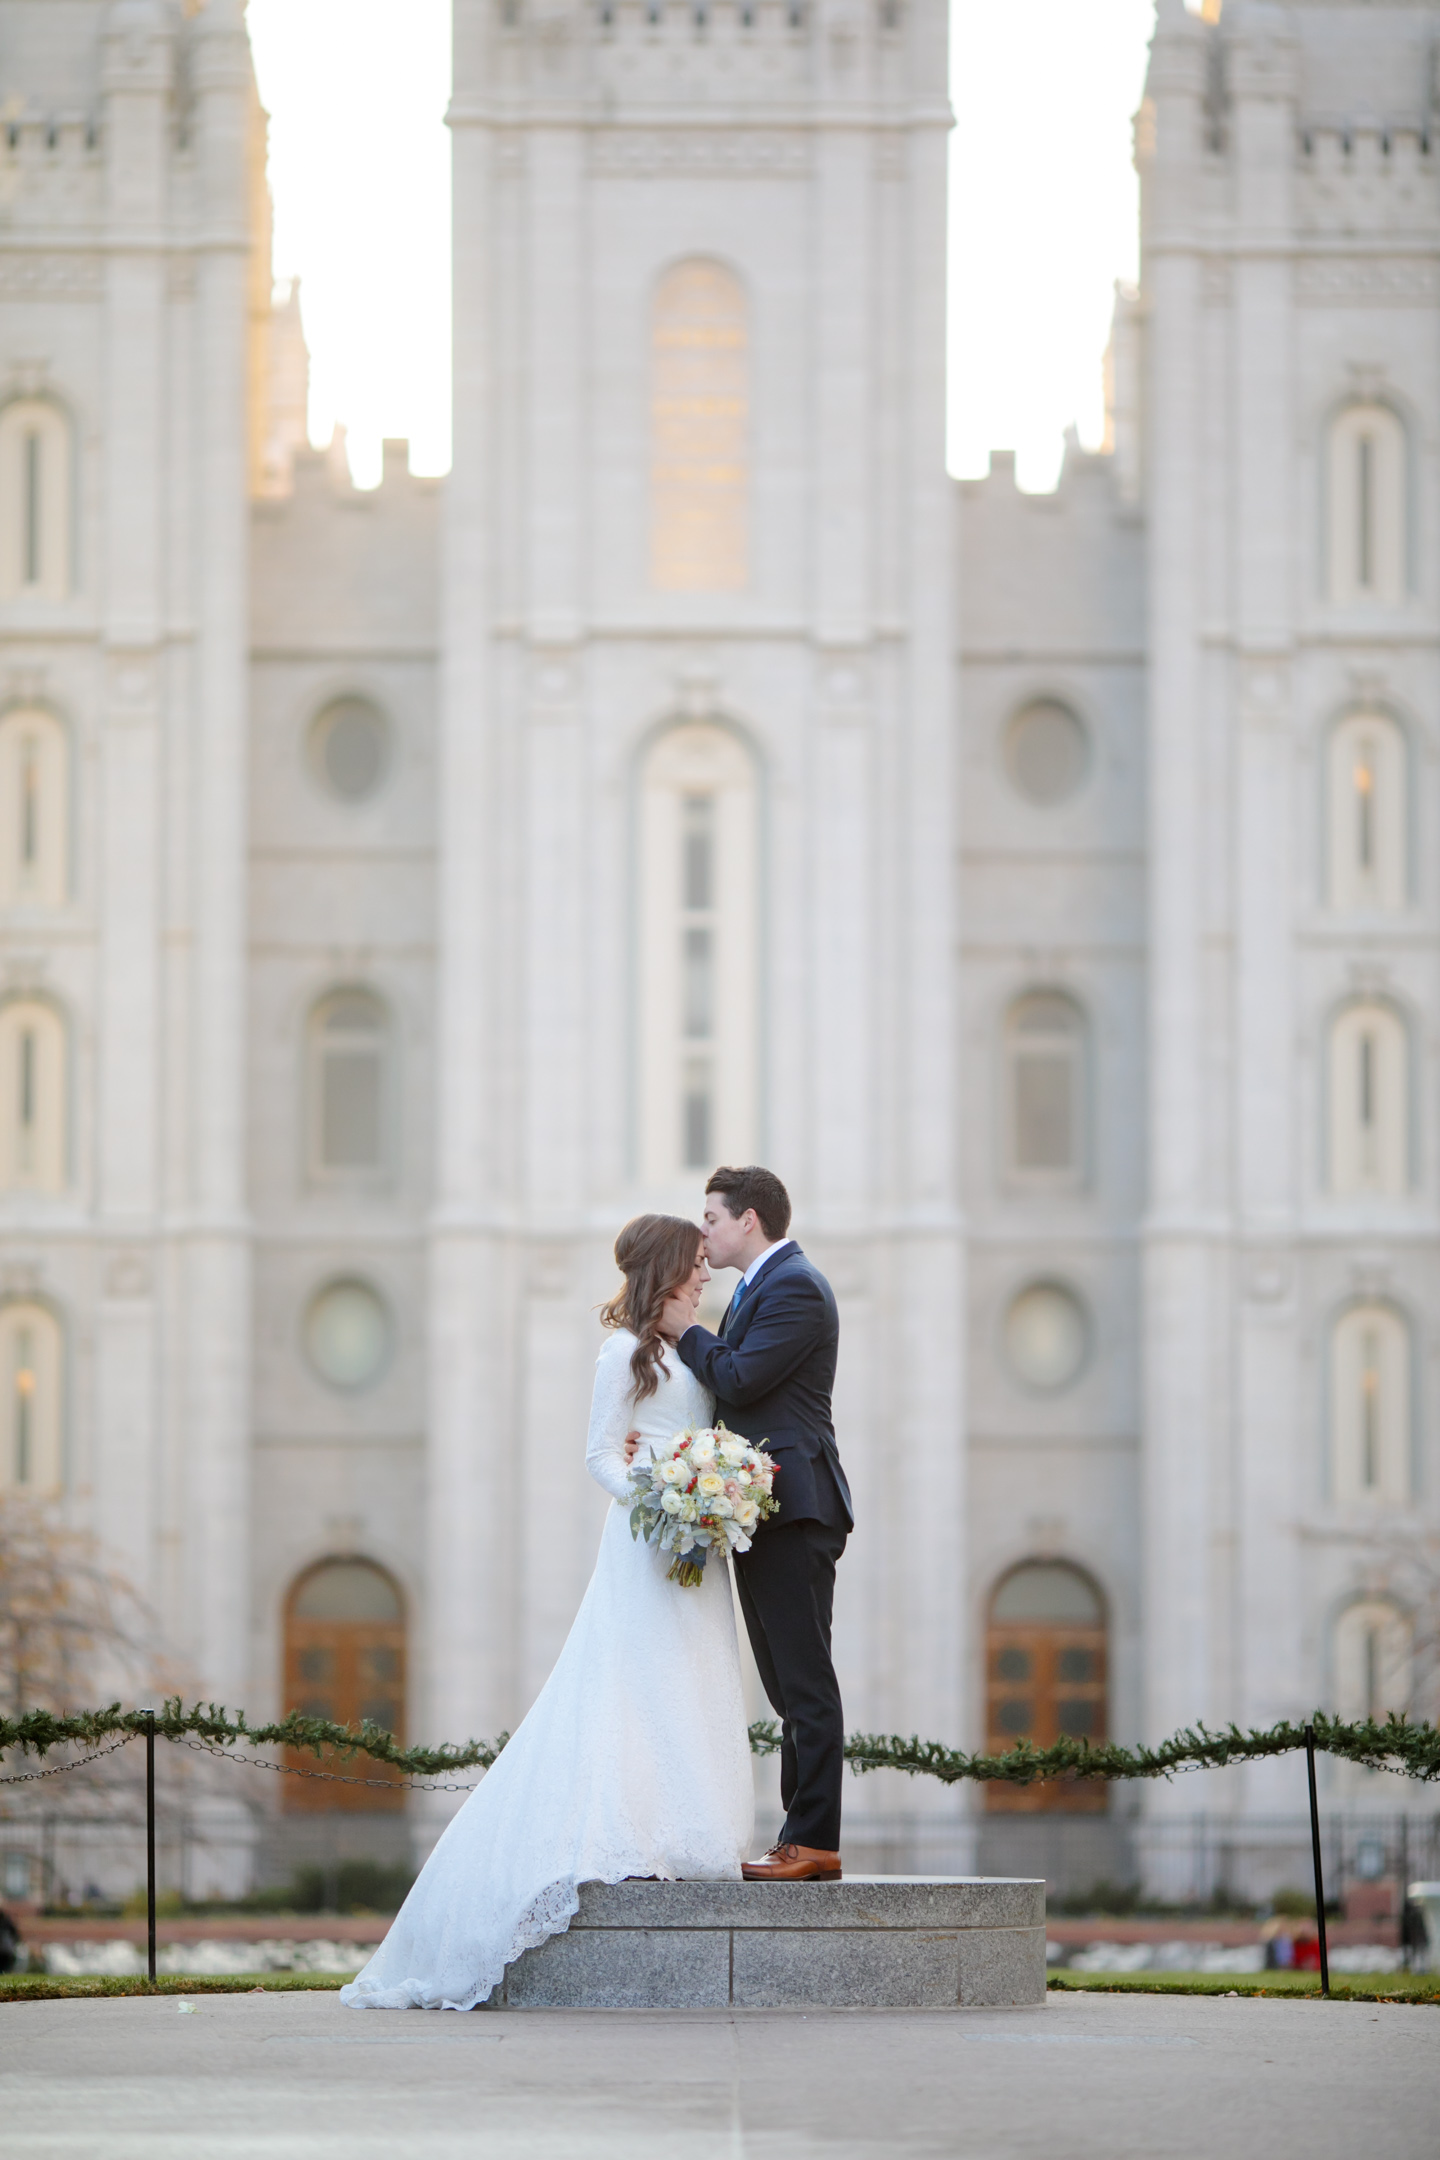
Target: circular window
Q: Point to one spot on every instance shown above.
(347, 1335)
(1046, 1336)
(1047, 752)
(349, 748)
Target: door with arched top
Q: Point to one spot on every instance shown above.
(345, 1659)
(1046, 1659)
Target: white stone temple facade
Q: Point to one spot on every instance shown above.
(399, 889)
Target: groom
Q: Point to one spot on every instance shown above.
(771, 1369)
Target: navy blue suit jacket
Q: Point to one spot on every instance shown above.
(771, 1369)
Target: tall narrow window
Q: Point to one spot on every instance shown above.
(1373, 1661)
(30, 1405)
(1369, 1102)
(349, 1087)
(1046, 1678)
(1370, 1407)
(35, 546)
(699, 423)
(1367, 823)
(1367, 485)
(34, 811)
(697, 972)
(1045, 1052)
(32, 1097)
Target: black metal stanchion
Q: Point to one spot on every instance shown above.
(1315, 1852)
(150, 1834)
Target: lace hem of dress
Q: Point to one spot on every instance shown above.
(548, 1914)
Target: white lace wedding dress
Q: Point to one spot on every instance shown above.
(633, 1760)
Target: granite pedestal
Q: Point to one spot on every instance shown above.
(872, 1941)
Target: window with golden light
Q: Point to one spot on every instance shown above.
(700, 424)
(34, 810)
(31, 1368)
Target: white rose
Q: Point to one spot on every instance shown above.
(711, 1483)
(742, 1477)
(732, 1451)
(723, 1507)
(746, 1515)
(672, 1502)
(672, 1471)
(704, 1449)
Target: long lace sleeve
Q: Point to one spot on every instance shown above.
(610, 1419)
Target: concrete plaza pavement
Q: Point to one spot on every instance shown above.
(275, 2077)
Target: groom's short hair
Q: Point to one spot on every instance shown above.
(755, 1188)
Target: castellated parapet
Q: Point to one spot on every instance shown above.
(332, 563)
(613, 58)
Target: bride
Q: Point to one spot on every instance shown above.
(634, 1758)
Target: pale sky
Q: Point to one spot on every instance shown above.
(1043, 214)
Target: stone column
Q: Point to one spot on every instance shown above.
(215, 1322)
(923, 1367)
(552, 751)
(1263, 83)
(1184, 1377)
(841, 898)
(137, 76)
(471, 1492)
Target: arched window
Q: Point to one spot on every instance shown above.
(1370, 1407)
(34, 810)
(1367, 813)
(699, 1019)
(1373, 1660)
(1369, 1102)
(1045, 1059)
(345, 1659)
(1046, 1673)
(31, 1409)
(32, 1097)
(349, 1087)
(34, 500)
(1367, 503)
(699, 431)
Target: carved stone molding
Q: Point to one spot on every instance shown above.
(1215, 281)
(128, 1276)
(645, 152)
(50, 277)
(1361, 280)
(1268, 1278)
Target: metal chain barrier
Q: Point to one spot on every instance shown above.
(28, 1777)
(330, 1777)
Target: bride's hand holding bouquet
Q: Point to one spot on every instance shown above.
(705, 1490)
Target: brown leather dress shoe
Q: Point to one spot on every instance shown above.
(793, 1863)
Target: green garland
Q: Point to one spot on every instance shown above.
(1413, 1750)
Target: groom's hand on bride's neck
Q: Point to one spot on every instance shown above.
(676, 1314)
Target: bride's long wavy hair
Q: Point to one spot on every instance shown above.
(656, 1254)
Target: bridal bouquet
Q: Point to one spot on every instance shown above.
(704, 1491)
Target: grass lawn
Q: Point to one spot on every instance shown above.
(1344, 1987)
(45, 1987)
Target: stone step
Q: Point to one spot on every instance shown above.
(873, 1941)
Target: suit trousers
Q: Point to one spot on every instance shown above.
(787, 1589)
